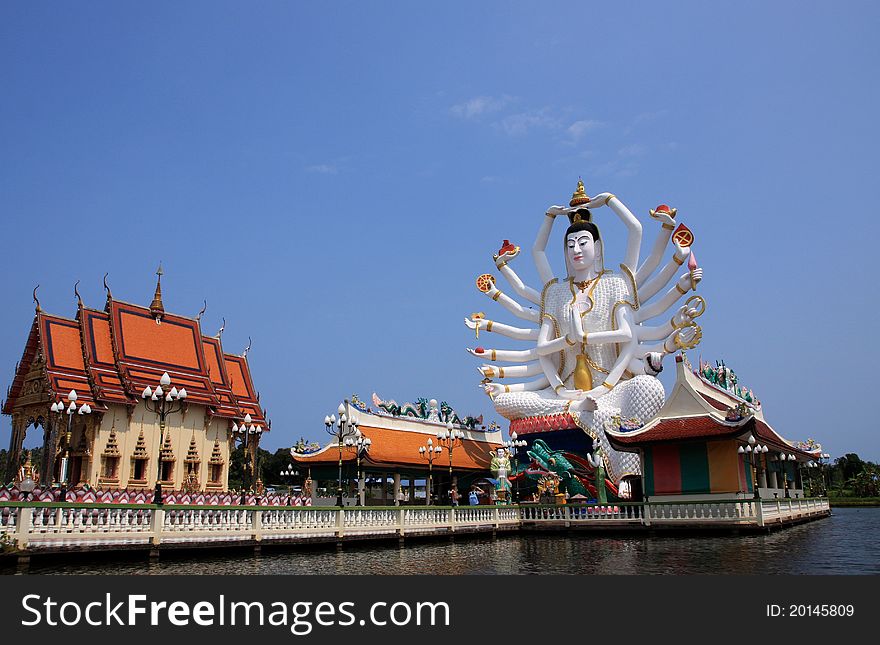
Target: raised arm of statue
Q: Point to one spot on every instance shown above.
(681, 287)
(539, 254)
(633, 227)
(664, 215)
(655, 284)
(518, 285)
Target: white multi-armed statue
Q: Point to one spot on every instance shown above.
(593, 354)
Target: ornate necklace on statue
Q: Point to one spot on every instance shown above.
(583, 286)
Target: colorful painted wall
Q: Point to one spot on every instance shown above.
(695, 468)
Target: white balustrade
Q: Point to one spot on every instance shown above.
(47, 526)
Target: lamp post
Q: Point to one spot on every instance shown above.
(752, 456)
(163, 402)
(796, 469)
(244, 432)
(450, 438)
(291, 472)
(823, 467)
(341, 429)
(513, 446)
(59, 408)
(362, 445)
(27, 486)
(429, 451)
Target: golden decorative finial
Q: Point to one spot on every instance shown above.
(222, 327)
(579, 196)
(247, 349)
(156, 307)
(79, 300)
(36, 300)
(199, 315)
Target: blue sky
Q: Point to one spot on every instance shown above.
(332, 176)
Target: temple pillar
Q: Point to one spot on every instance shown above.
(772, 481)
(16, 439)
(397, 489)
(90, 471)
(47, 453)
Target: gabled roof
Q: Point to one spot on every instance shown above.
(396, 442)
(101, 360)
(697, 410)
(111, 356)
(145, 349)
(228, 405)
(62, 351)
(31, 350)
(239, 373)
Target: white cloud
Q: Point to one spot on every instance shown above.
(579, 129)
(521, 123)
(479, 106)
(323, 169)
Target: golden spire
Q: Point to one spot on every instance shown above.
(156, 307)
(579, 196)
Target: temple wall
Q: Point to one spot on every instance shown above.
(181, 428)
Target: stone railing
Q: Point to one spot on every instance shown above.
(35, 526)
(48, 525)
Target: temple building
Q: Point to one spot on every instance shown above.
(398, 454)
(711, 440)
(113, 369)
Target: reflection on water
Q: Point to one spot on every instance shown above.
(843, 544)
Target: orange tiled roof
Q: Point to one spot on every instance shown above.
(239, 373)
(101, 361)
(401, 447)
(228, 404)
(62, 350)
(110, 357)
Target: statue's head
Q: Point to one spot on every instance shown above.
(581, 243)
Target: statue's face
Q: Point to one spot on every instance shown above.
(580, 249)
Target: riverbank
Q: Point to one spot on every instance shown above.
(854, 502)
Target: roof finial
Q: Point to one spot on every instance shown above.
(222, 327)
(247, 349)
(156, 307)
(36, 300)
(199, 315)
(107, 287)
(79, 300)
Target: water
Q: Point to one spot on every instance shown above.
(846, 543)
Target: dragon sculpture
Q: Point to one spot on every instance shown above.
(576, 476)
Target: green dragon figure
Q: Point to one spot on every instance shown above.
(555, 461)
